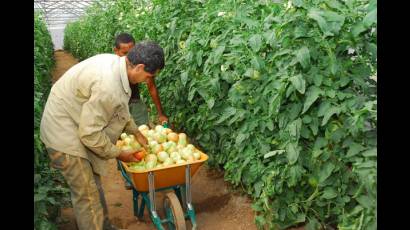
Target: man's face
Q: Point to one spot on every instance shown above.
(124, 48)
(137, 74)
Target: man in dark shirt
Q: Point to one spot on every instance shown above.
(123, 43)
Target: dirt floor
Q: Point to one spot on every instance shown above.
(217, 206)
(64, 60)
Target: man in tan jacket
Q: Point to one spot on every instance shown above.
(85, 113)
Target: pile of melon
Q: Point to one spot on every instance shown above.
(165, 148)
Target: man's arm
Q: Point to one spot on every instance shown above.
(154, 94)
(95, 115)
(131, 127)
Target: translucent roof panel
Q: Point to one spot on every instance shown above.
(57, 13)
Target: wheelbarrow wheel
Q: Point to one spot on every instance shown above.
(173, 212)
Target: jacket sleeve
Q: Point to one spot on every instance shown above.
(95, 115)
(131, 127)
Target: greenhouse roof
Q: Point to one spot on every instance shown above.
(58, 13)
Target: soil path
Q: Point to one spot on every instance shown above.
(217, 206)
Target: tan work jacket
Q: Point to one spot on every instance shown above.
(87, 110)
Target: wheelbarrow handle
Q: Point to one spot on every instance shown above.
(165, 124)
(124, 174)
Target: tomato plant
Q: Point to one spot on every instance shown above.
(50, 191)
(281, 96)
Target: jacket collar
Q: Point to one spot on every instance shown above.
(124, 76)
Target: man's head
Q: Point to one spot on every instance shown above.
(123, 43)
(144, 61)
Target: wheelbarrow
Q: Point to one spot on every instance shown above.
(177, 203)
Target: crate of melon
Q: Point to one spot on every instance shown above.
(167, 155)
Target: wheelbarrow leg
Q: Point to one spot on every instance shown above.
(152, 206)
(188, 197)
(142, 207)
(135, 195)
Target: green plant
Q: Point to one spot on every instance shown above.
(279, 95)
(50, 191)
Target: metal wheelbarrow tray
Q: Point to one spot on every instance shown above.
(176, 177)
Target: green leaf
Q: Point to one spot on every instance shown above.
(300, 218)
(316, 153)
(300, 32)
(358, 29)
(313, 224)
(270, 37)
(184, 78)
(227, 113)
(331, 93)
(257, 62)
(269, 125)
(331, 111)
(240, 138)
(325, 172)
(51, 200)
(37, 178)
(298, 82)
(274, 104)
(303, 56)
(316, 15)
(333, 65)
(370, 18)
(314, 126)
(292, 153)
(366, 164)
(199, 57)
(372, 5)
(260, 220)
(372, 48)
(329, 22)
(366, 202)
(255, 42)
(273, 153)
(294, 128)
(329, 193)
(218, 53)
(334, 4)
(356, 210)
(39, 197)
(191, 94)
(258, 188)
(370, 152)
(297, 3)
(319, 143)
(210, 102)
(311, 96)
(354, 149)
(306, 119)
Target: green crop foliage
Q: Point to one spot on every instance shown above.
(280, 96)
(50, 191)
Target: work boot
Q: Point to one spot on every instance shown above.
(109, 226)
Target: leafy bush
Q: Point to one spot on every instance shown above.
(49, 189)
(279, 95)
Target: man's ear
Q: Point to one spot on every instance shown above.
(140, 67)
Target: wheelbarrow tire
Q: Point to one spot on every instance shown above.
(171, 201)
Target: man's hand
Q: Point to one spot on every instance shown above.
(162, 118)
(141, 139)
(127, 157)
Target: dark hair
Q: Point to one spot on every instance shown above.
(123, 38)
(148, 53)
